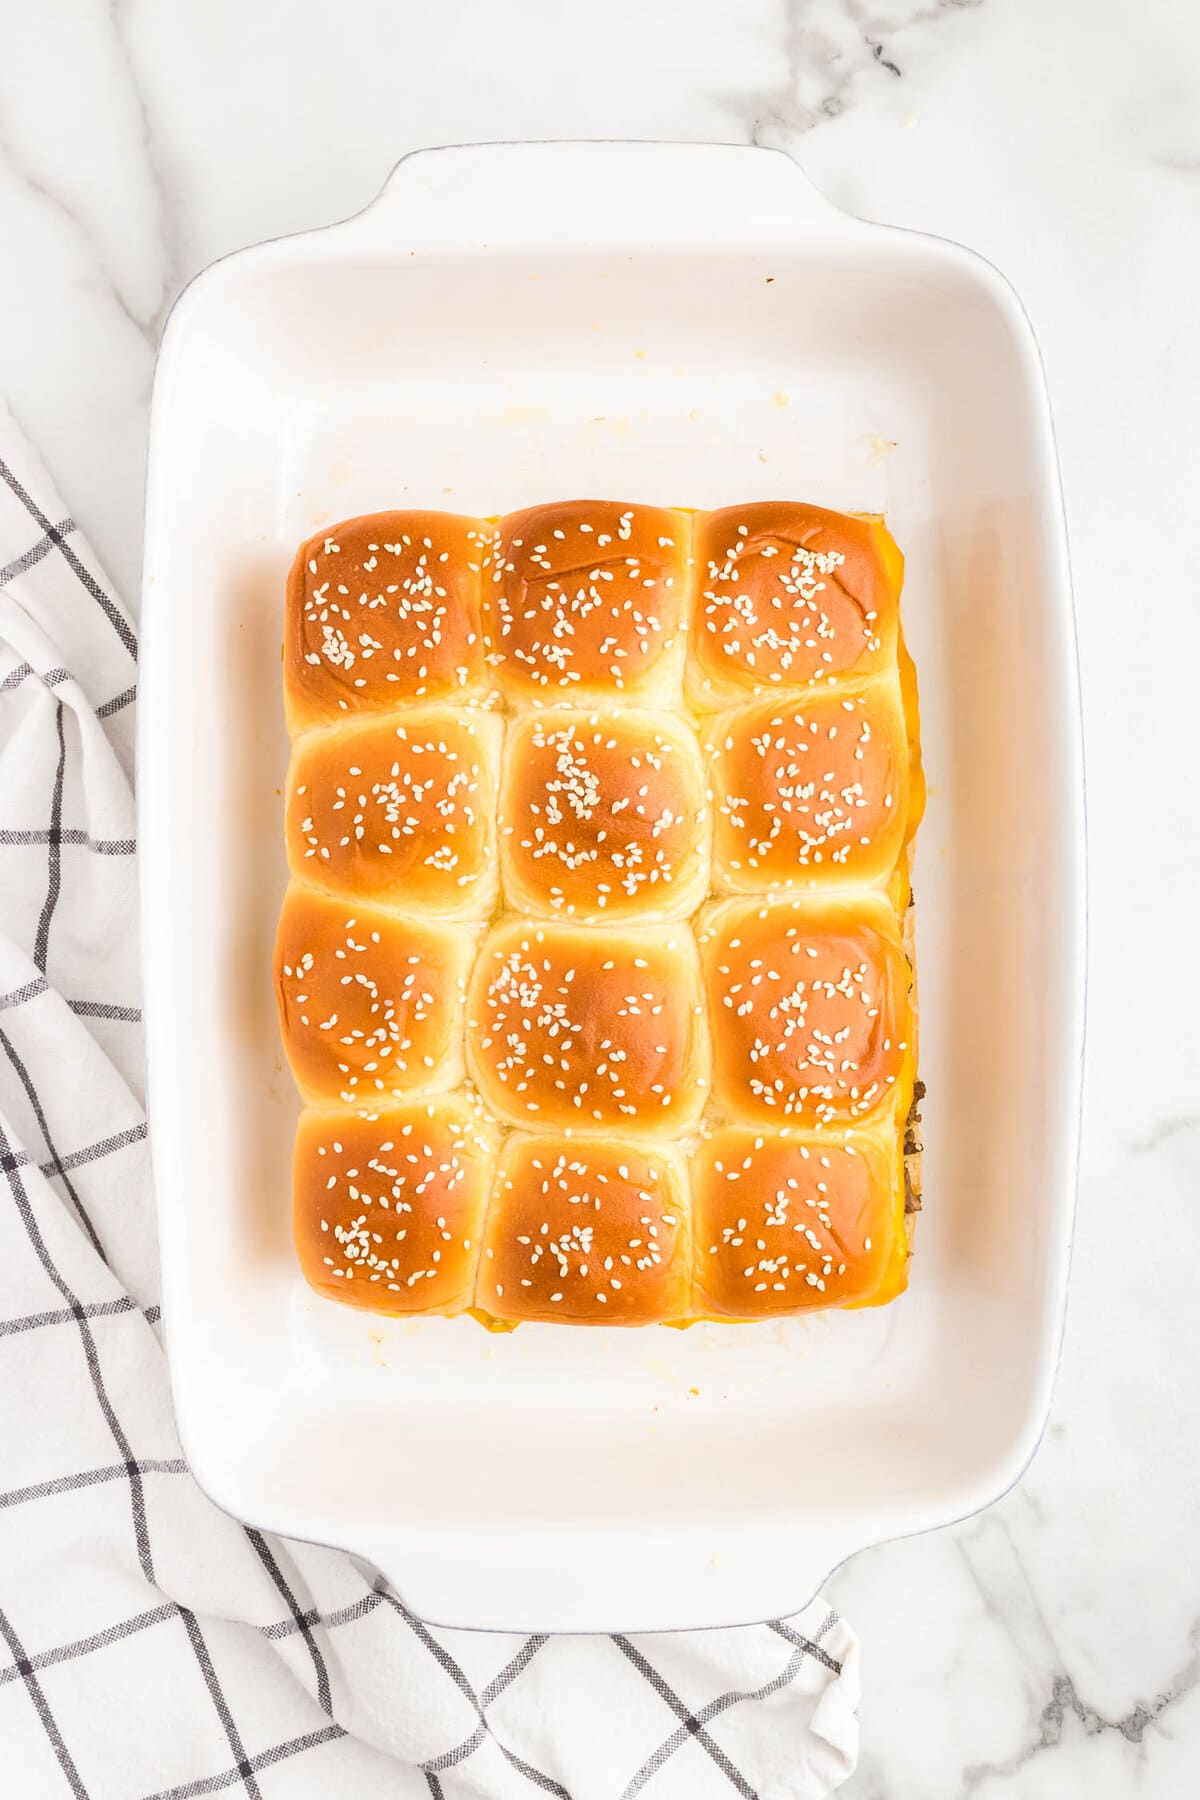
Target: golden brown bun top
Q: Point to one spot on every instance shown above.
(587, 1232)
(586, 599)
(788, 596)
(810, 791)
(809, 1008)
(589, 1029)
(388, 1207)
(383, 609)
(370, 1006)
(783, 1222)
(604, 815)
(399, 810)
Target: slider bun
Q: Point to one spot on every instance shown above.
(586, 599)
(789, 596)
(370, 1006)
(809, 792)
(809, 1008)
(587, 1232)
(574, 1028)
(603, 815)
(400, 810)
(388, 1207)
(784, 1223)
(385, 609)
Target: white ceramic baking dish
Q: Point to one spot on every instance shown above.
(688, 324)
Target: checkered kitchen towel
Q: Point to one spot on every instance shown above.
(148, 1644)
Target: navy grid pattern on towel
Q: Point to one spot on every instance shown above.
(149, 1645)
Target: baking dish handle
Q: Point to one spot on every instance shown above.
(571, 1579)
(633, 194)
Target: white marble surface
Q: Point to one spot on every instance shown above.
(1052, 1647)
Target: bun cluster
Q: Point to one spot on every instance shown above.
(594, 969)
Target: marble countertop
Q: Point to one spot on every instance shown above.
(1051, 1647)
